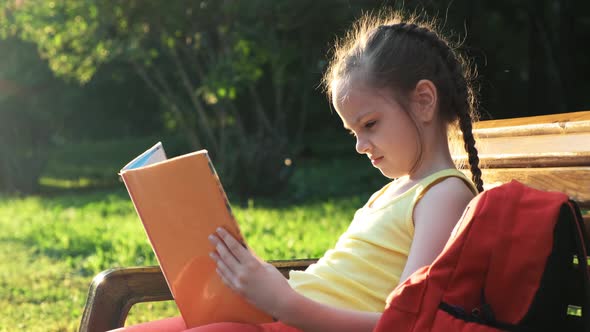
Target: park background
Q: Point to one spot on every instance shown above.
(86, 85)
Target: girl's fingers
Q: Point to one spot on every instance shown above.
(224, 279)
(224, 254)
(225, 273)
(242, 254)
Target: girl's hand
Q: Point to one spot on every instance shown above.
(257, 281)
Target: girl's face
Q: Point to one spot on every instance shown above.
(383, 130)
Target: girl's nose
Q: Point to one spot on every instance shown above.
(362, 145)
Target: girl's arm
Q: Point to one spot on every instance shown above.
(435, 216)
(265, 287)
(308, 315)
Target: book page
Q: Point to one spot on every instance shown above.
(150, 156)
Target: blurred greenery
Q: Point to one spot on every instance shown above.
(222, 78)
(91, 164)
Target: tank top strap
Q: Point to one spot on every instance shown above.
(428, 182)
(437, 177)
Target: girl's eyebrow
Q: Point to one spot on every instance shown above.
(360, 118)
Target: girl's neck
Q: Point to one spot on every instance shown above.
(432, 162)
(436, 154)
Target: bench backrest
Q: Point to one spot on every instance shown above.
(549, 152)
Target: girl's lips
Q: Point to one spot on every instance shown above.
(376, 161)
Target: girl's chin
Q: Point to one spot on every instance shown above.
(391, 174)
(387, 174)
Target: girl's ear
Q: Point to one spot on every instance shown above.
(424, 101)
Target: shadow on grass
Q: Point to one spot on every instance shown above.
(80, 197)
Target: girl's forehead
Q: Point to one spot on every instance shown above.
(352, 93)
(349, 99)
(339, 90)
(353, 104)
(343, 90)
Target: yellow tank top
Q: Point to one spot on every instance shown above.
(369, 258)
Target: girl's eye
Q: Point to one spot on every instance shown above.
(370, 124)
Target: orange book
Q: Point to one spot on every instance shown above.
(180, 202)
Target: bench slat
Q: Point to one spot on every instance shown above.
(574, 181)
(533, 151)
(572, 143)
(526, 160)
(535, 129)
(562, 119)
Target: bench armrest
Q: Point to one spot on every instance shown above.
(113, 292)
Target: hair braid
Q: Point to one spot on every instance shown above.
(460, 99)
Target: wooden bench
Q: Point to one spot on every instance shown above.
(546, 152)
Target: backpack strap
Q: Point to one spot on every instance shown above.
(582, 245)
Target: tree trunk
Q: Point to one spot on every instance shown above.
(188, 132)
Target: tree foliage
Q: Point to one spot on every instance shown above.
(234, 76)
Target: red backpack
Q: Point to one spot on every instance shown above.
(508, 266)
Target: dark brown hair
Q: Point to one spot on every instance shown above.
(393, 52)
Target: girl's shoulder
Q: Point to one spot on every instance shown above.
(449, 188)
(449, 181)
(446, 194)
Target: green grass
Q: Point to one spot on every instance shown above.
(50, 248)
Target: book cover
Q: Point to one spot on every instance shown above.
(180, 202)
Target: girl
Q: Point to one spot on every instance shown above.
(397, 86)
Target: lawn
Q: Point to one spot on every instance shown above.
(50, 249)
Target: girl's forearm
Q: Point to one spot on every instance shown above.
(310, 316)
